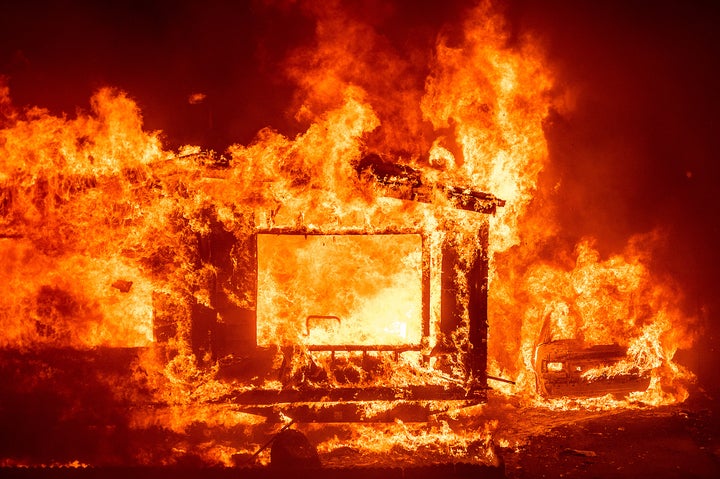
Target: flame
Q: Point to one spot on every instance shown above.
(494, 99)
(409, 443)
(102, 232)
(381, 269)
(63, 179)
(617, 300)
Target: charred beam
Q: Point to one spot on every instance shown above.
(406, 183)
(338, 394)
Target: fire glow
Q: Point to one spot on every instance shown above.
(287, 248)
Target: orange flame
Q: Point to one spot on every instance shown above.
(100, 225)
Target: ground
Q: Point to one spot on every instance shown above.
(679, 441)
(73, 415)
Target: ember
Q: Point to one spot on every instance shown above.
(341, 293)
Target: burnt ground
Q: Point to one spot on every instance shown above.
(72, 414)
(680, 441)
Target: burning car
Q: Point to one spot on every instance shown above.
(568, 367)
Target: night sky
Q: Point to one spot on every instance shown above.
(639, 151)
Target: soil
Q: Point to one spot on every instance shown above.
(680, 441)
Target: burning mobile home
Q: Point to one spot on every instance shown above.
(388, 308)
(267, 291)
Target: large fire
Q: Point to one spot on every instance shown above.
(109, 241)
